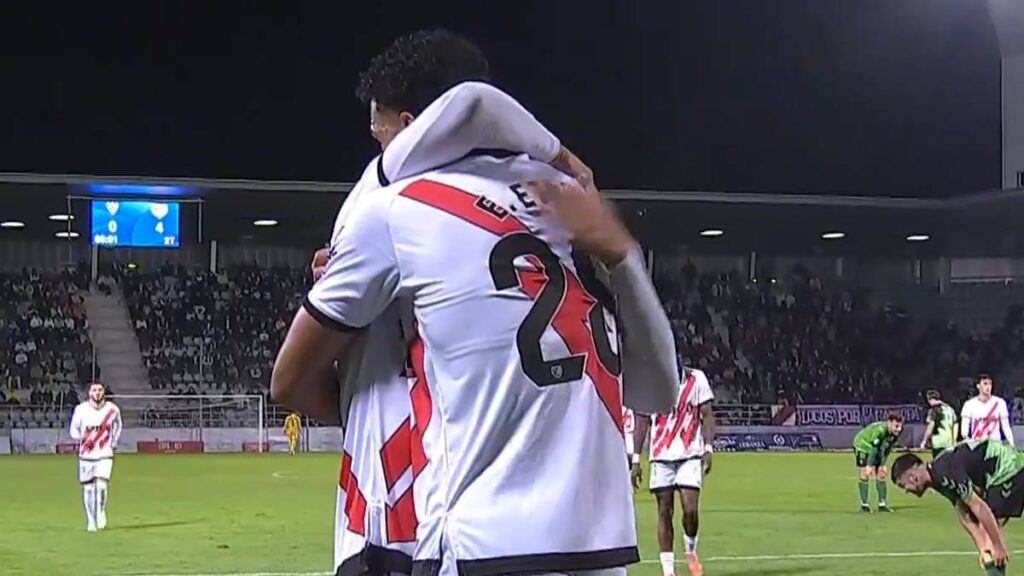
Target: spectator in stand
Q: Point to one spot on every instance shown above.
(197, 329)
(43, 338)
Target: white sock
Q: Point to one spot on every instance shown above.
(89, 499)
(668, 563)
(101, 497)
(690, 543)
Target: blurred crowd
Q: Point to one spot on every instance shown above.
(778, 340)
(792, 340)
(45, 351)
(206, 333)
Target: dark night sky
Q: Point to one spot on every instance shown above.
(894, 97)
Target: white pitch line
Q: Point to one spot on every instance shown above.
(764, 558)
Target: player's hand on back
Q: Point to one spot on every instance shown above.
(594, 226)
(319, 264)
(570, 164)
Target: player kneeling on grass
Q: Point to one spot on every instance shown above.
(96, 426)
(984, 479)
(680, 457)
(871, 447)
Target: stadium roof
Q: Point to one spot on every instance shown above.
(225, 210)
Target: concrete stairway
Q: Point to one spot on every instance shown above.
(117, 347)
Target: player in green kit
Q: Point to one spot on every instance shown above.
(984, 479)
(941, 430)
(871, 446)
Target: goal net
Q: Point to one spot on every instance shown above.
(193, 423)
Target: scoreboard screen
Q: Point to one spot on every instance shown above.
(137, 223)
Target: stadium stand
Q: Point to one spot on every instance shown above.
(205, 333)
(785, 340)
(46, 355)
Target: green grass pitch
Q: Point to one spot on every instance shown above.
(763, 514)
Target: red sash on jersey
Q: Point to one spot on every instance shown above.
(988, 422)
(99, 436)
(663, 440)
(576, 303)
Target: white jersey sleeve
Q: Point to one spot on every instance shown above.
(966, 420)
(362, 277)
(115, 427)
(76, 424)
(1004, 422)
(702, 392)
(472, 115)
(628, 428)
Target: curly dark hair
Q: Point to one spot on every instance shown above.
(417, 68)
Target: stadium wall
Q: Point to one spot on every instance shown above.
(51, 441)
(166, 440)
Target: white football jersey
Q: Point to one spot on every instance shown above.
(677, 436)
(520, 362)
(986, 420)
(628, 427)
(96, 430)
(375, 518)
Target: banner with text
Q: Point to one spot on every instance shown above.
(759, 442)
(845, 414)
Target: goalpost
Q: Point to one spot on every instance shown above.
(244, 413)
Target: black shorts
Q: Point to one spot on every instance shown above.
(1007, 500)
(936, 452)
(872, 459)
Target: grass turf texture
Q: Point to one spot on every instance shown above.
(246, 514)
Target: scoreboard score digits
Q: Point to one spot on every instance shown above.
(138, 223)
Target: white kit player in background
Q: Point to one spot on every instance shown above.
(515, 400)
(986, 416)
(628, 429)
(680, 450)
(96, 426)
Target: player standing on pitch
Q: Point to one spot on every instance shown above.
(984, 479)
(941, 430)
(680, 448)
(871, 447)
(292, 429)
(96, 426)
(986, 416)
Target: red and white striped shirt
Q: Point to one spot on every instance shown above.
(520, 362)
(677, 436)
(96, 429)
(986, 420)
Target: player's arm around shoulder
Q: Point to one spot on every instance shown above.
(650, 375)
